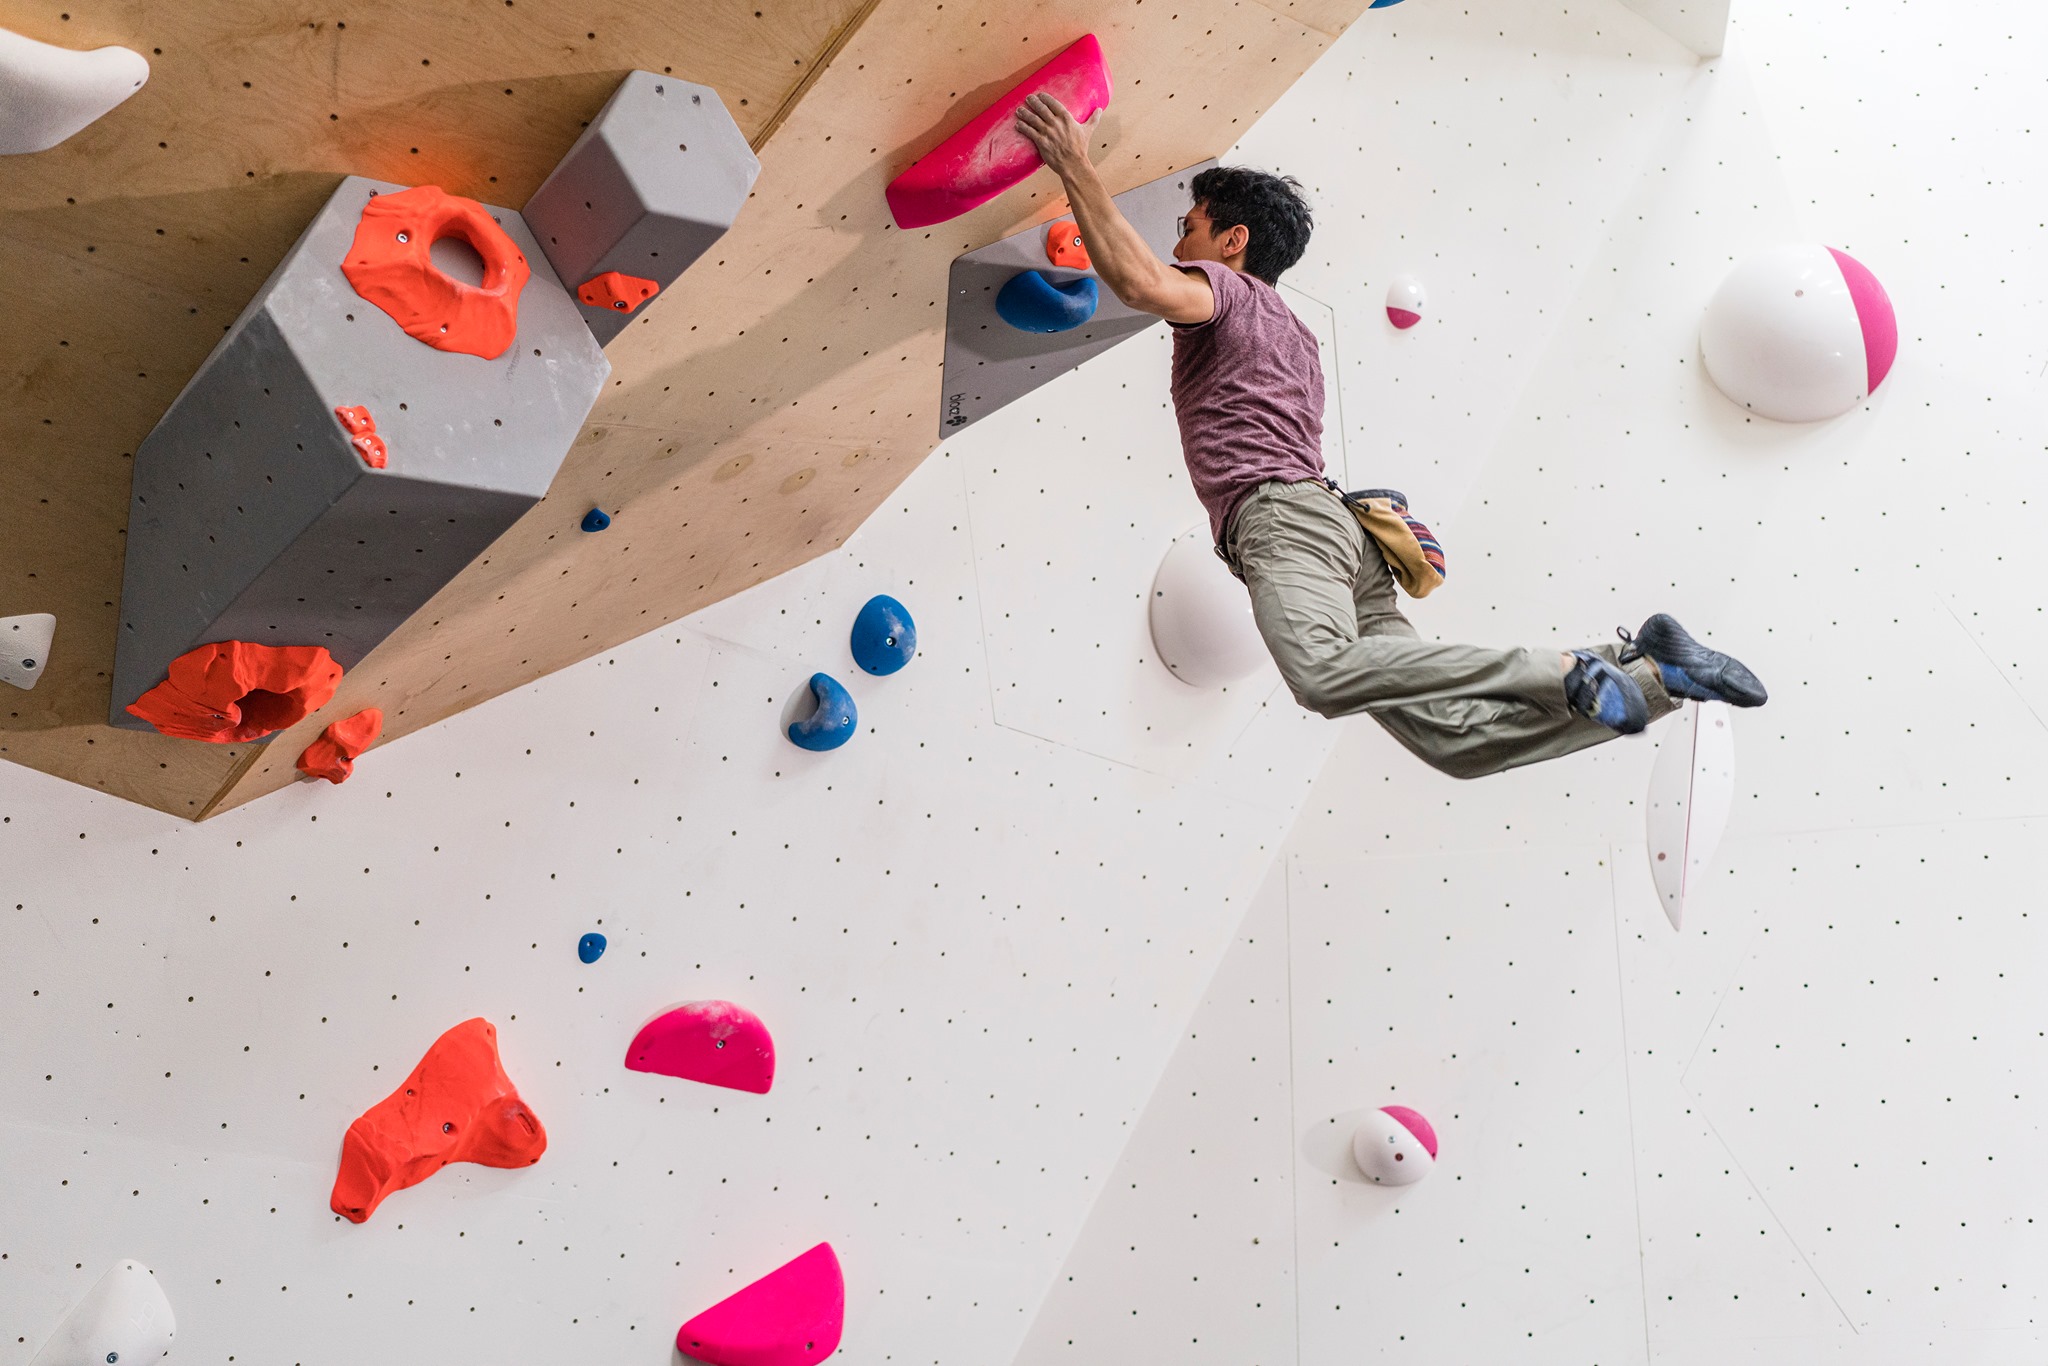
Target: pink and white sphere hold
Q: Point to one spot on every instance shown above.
(1799, 333)
(1394, 1146)
(1404, 302)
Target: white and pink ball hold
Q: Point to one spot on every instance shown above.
(1799, 333)
(1394, 1146)
(1404, 302)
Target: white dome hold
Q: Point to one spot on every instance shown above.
(1799, 333)
(1394, 1146)
(1202, 623)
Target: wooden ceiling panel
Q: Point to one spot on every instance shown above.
(755, 417)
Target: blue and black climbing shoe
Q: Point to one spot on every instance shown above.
(1690, 669)
(1599, 691)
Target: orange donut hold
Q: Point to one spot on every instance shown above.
(457, 1106)
(391, 265)
(333, 755)
(232, 691)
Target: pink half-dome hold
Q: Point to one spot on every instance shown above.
(1874, 312)
(792, 1316)
(989, 155)
(1404, 302)
(715, 1042)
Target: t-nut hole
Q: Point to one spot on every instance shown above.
(458, 260)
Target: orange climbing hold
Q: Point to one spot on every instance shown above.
(362, 434)
(457, 1106)
(616, 290)
(333, 755)
(1064, 247)
(390, 264)
(232, 691)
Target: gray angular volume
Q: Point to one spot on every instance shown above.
(252, 516)
(990, 363)
(658, 176)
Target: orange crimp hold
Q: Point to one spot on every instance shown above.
(617, 291)
(362, 434)
(333, 755)
(390, 265)
(457, 1106)
(233, 691)
(1064, 247)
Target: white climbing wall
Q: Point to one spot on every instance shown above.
(1804, 1129)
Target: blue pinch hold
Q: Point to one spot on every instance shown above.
(1032, 303)
(590, 947)
(832, 724)
(596, 520)
(884, 636)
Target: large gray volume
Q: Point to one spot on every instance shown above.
(990, 363)
(253, 518)
(658, 176)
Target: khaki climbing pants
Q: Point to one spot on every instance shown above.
(1323, 598)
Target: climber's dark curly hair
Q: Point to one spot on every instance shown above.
(1272, 206)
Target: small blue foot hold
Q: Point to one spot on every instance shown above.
(884, 636)
(590, 947)
(832, 724)
(596, 520)
(1032, 303)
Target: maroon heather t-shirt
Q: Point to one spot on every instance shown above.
(1248, 390)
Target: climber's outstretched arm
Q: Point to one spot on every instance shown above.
(1120, 256)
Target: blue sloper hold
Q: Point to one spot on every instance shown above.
(590, 947)
(1032, 303)
(1382, 4)
(884, 636)
(596, 520)
(832, 724)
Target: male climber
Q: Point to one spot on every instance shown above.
(1248, 392)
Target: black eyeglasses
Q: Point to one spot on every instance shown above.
(1183, 225)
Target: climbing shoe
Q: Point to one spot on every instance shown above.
(1690, 669)
(1599, 691)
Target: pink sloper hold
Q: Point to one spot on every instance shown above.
(1414, 1124)
(1874, 312)
(989, 155)
(790, 1317)
(715, 1042)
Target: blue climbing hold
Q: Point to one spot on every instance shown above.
(1032, 303)
(1382, 4)
(596, 520)
(884, 636)
(590, 947)
(832, 724)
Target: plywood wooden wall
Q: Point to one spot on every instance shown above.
(756, 415)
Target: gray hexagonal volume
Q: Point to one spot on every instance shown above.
(658, 177)
(341, 455)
